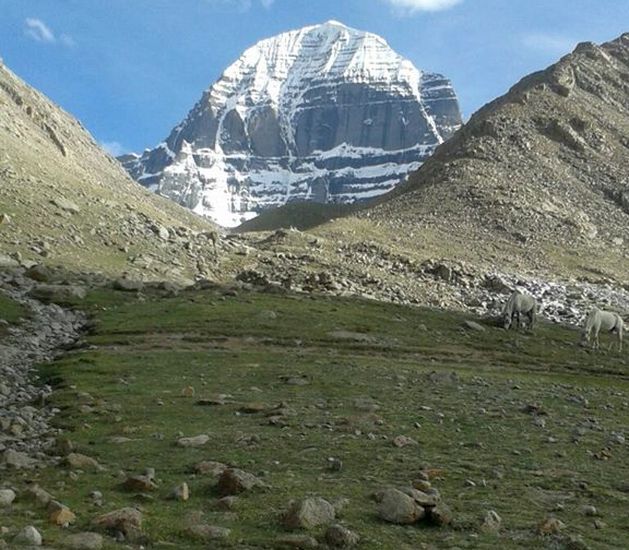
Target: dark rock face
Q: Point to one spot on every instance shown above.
(325, 113)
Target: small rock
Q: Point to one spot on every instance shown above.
(7, 496)
(309, 513)
(440, 515)
(35, 492)
(550, 526)
(338, 536)
(227, 503)
(208, 532)
(66, 205)
(59, 514)
(193, 442)
(234, 481)
(397, 507)
(127, 285)
(139, 484)
(18, 460)
(403, 441)
(29, 536)
(188, 391)
(491, 522)
(78, 461)
(473, 325)
(84, 541)
(589, 510)
(296, 541)
(126, 520)
(181, 492)
(210, 468)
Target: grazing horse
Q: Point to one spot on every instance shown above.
(606, 321)
(517, 305)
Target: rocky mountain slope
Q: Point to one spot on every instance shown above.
(538, 180)
(325, 113)
(64, 201)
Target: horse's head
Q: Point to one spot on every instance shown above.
(585, 338)
(506, 321)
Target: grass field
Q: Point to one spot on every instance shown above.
(526, 425)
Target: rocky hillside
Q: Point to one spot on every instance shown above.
(65, 202)
(538, 179)
(325, 113)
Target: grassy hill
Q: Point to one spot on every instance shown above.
(64, 201)
(527, 425)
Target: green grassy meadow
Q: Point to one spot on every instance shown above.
(350, 375)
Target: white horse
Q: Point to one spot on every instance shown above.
(517, 305)
(606, 321)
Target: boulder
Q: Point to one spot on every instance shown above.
(196, 441)
(127, 285)
(17, 460)
(208, 532)
(234, 481)
(84, 541)
(59, 294)
(338, 536)
(397, 507)
(59, 514)
(7, 496)
(309, 513)
(125, 520)
(66, 205)
(78, 461)
(29, 536)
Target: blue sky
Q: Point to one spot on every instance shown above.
(131, 69)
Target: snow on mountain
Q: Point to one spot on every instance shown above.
(324, 113)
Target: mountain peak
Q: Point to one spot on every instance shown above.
(323, 113)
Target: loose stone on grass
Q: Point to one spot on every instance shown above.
(397, 507)
(234, 481)
(209, 468)
(29, 536)
(59, 514)
(338, 536)
(296, 541)
(550, 526)
(128, 521)
(208, 532)
(180, 492)
(491, 522)
(193, 442)
(78, 461)
(7, 496)
(308, 513)
(84, 541)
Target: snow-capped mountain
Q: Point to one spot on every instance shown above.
(325, 113)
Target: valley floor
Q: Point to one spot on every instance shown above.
(531, 426)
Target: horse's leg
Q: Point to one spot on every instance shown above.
(597, 343)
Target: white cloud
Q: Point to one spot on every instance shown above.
(412, 6)
(114, 148)
(37, 30)
(552, 44)
(241, 5)
(67, 40)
